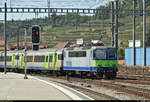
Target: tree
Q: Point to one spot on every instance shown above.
(121, 53)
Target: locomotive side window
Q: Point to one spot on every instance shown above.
(77, 54)
(72, 54)
(39, 58)
(100, 53)
(111, 53)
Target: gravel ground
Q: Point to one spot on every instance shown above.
(103, 90)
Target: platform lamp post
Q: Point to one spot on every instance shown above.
(25, 52)
(5, 52)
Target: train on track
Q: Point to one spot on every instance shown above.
(99, 61)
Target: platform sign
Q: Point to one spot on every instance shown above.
(79, 41)
(137, 43)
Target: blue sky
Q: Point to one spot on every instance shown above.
(43, 3)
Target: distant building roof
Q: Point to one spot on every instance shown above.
(2, 42)
(1, 37)
(22, 46)
(2, 45)
(61, 45)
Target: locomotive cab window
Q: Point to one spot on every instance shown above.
(100, 53)
(111, 53)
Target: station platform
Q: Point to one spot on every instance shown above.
(13, 86)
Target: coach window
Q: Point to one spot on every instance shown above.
(60, 57)
(8, 58)
(39, 58)
(50, 58)
(1, 58)
(29, 58)
(46, 58)
(17, 57)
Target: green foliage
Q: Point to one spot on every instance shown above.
(63, 27)
(121, 53)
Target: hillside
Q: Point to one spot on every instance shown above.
(71, 27)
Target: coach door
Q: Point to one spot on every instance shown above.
(47, 64)
(21, 60)
(13, 61)
(55, 60)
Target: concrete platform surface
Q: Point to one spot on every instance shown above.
(13, 86)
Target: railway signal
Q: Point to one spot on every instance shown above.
(36, 34)
(36, 37)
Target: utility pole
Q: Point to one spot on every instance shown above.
(48, 4)
(103, 22)
(18, 42)
(76, 22)
(138, 4)
(113, 23)
(116, 29)
(144, 32)
(36, 17)
(25, 53)
(10, 3)
(134, 52)
(5, 70)
(89, 32)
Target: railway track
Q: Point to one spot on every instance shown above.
(133, 77)
(88, 91)
(139, 92)
(145, 93)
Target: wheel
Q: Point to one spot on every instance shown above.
(110, 75)
(114, 74)
(99, 75)
(107, 75)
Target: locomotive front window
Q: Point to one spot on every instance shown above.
(100, 53)
(111, 53)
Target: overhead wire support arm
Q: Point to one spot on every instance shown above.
(69, 10)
